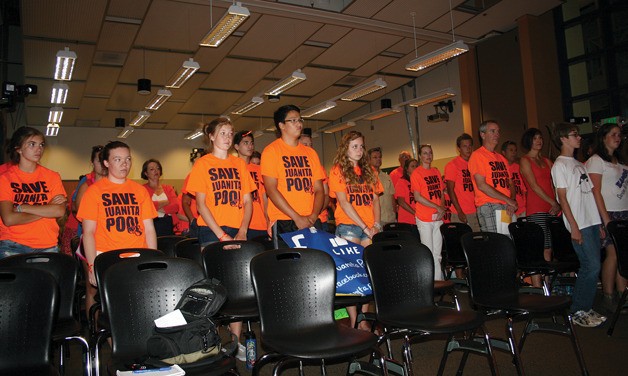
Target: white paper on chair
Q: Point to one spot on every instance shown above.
(174, 318)
(173, 370)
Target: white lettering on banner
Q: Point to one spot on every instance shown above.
(296, 239)
(357, 264)
(349, 278)
(336, 242)
(346, 251)
(363, 290)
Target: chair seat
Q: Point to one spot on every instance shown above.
(341, 301)
(239, 309)
(215, 368)
(434, 320)
(528, 303)
(328, 342)
(65, 328)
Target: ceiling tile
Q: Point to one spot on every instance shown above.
(209, 102)
(117, 37)
(71, 20)
(355, 49)
(237, 74)
(135, 9)
(373, 66)
(102, 80)
(366, 8)
(330, 34)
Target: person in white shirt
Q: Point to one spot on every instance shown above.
(609, 174)
(574, 192)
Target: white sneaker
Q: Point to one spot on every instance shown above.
(584, 319)
(241, 354)
(596, 315)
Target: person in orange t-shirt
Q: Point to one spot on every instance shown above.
(509, 151)
(491, 178)
(244, 143)
(397, 173)
(292, 176)
(188, 206)
(404, 196)
(306, 140)
(32, 197)
(459, 184)
(116, 212)
(354, 183)
(222, 186)
(427, 188)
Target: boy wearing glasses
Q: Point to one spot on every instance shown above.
(293, 177)
(574, 192)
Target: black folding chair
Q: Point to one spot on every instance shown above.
(453, 257)
(402, 276)
(166, 244)
(189, 249)
(64, 270)
(29, 299)
(619, 232)
(295, 291)
(137, 292)
(494, 288)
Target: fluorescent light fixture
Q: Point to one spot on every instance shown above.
(183, 74)
(52, 130)
(288, 82)
(59, 93)
(140, 118)
(255, 101)
(194, 134)
(309, 112)
(65, 64)
(337, 127)
(431, 98)
(162, 96)
(126, 132)
(258, 133)
(55, 115)
(227, 25)
(382, 113)
(364, 89)
(438, 56)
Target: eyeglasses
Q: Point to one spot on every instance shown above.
(294, 121)
(575, 135)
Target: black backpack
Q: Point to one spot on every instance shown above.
(198, 340)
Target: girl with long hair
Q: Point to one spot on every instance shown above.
(609, 175)
(355, 185)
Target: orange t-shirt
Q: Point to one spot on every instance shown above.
(296, 169)
(184, 190)
(494, 167)
(360, 196)
(224, 182)
(36, 188)
(429, 185)
(395, 175)
(457, 170)
(520, 188)
(258, 220)
(402, 189)
(119, 211)
(4, 168)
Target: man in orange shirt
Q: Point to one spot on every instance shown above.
(293, 177)
(398, 172)
(491, 178)
(460, 185)
(509, 151)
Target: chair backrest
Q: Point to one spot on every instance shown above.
(139, 291)
(492, 262)
(395, 236)
(190, 249)
(619, 231)
(28, 302)
(295, 289)
(62, 267)
(562, 248)
(398, 226)
(107, 259)
(452, 232)
(166, 244)
(529, 242)
(402, 276)
(230, 263)
(265, 240)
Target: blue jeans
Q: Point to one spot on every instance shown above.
(350, 231)
(10, 248)
(589, 256)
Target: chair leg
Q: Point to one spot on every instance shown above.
(407, 355)
(524, 336)
(620, 305)
(443, 360)
(575, 343)
(263, 360)
(491, 357)
(61, 356)
(513, 347)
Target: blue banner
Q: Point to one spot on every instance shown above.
(351, 276)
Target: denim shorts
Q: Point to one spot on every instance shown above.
(10, 248)
(350, 231)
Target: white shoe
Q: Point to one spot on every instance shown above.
(596, 315)
(584, 319)
(241, 354)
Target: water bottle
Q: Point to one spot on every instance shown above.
(251, 349)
